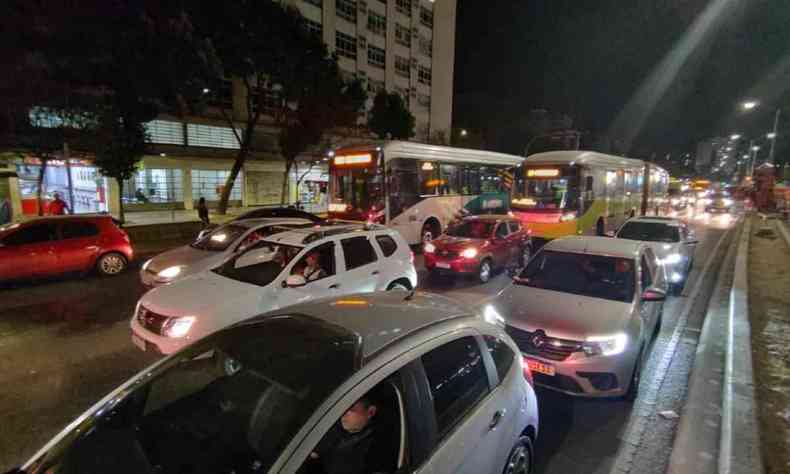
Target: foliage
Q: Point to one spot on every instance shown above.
(390, 118)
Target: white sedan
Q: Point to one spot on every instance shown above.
(210, 249)
(291, 267)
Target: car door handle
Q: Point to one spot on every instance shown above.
(496, 419)
(375, 272)
(335, 286)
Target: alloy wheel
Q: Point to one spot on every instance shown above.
(519, 461)
(112, 264)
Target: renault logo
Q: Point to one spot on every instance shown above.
(538, 338)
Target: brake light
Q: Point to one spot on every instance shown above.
(527, 372)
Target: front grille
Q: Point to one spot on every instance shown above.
(151, 321)
(548, 347)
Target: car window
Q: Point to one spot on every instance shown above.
(258, 265)
(515, 226)
(649, 231)
(647, 278)
(32, 234)
(472, 228)
(317, 263)
(596, 276)
(76, 230)
(387, 244)
(358, 252)
(501, 230)
(501, 353)
(457, 379)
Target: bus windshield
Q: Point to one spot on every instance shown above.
(551, 193)
(360, 190)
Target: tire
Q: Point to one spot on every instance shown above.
(485, 270)
(636, 378)
(399, 285)
(600, 228)
(430, 230)
(111, 264)
(520, 459)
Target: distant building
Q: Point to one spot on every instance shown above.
(708, 157)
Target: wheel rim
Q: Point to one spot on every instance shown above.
(112, 264)
(519, 462)
(485, 271)
(398, 286)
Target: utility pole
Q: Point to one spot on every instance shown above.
(775, 136)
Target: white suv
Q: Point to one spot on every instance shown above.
(291, 267)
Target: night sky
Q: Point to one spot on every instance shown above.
(662, 73)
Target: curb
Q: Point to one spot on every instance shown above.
(739, 449)
(783, 230)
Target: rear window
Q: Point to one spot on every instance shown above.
(387, 244)
(649, 232)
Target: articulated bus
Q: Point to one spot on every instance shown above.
(415, 188)
(563, 193)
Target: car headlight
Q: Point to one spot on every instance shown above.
(429, 248)
(169, 273)
(672, 259)
(605, 345)
(469, 253)
(178, 327)
(145, 265)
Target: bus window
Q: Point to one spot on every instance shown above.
(490, 182)
(589, 193)
(362, 189)
(403, 191)
(429, 178)
(451, 179)
(471, 181)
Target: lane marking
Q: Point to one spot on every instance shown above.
(632, 435)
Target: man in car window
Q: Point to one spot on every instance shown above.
(313, 271)
(348, 448)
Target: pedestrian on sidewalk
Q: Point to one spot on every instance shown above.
(58, 206)
(203, 212)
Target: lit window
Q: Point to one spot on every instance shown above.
(376, 56)
(403, 35)
(165, 131)
(377, 24)
(402, 66)
(403, 6)
(212, 136)
(346, 45)
(209, 183)
(424, 75)
(426, 17)
(347, 9)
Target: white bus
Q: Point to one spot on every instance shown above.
(561, 193)
(416, 188)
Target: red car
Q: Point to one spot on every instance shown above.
(477, 245)
(62, 244)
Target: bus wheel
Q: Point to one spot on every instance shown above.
(600, 228)
(430, 230)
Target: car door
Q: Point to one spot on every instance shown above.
(516, 240)
(468, 414)
(77, 245)
(325, 286)
(500, 246)
(28, 252)
(361, 264)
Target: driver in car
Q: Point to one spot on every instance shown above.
(312, 270)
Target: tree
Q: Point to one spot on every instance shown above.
(390, 118)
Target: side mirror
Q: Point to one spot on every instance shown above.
(295, 281)
(610, 233)
(254, 256)
(654, 294)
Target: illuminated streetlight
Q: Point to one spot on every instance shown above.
(755, 148)
(206, 90)
(771, 135)
(734, 136)
(749, 104)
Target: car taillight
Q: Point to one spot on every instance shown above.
(527, 372)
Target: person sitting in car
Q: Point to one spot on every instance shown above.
(312, 270)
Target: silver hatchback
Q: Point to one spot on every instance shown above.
(583, 312)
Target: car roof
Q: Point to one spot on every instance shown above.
(657, 220)
(261, 221)
(490, 217)
(380, 319)
(597, 246)
(315, 233)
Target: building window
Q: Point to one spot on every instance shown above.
(403, 35)
(346, 45)
(376, 56)
(403, 6)
(426, 17)
(424, 75)
(209, 183)
(211, 136)
(424, 100)
(165, 131)
(402, 66)
(426, 46)
(374, 87)
(377, 23)
(314, 27)
(347, 9)
(318, 3)
(154, 186)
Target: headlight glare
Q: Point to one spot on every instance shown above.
(429, 248)
(672, 259)
(605, 345)
(469, 253)
(169, 273)
(178, 327)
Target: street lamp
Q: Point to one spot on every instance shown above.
(770, 136)
(749, 104)
(463, 132)
(734, 136)
(755, 148)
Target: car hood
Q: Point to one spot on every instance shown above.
(561, 315)
(184, 256)
(200, 294)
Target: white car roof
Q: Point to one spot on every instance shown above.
(658, 220)
(381, 318)
(316, 233)
(259, 222)
(597, 246)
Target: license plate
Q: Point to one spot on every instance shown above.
(540, 367)
(139, 342)
(442, 265)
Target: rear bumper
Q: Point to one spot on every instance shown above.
(456, 265)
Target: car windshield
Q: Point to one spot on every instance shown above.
(649, 232)
(229, 403)
(260, 264)
(472, 229)
(596, 276)
(220, 238)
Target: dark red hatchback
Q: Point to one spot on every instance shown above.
(478, 245)
(55, 245)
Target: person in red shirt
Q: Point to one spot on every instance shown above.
(58, 207)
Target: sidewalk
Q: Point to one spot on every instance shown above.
(769, 298)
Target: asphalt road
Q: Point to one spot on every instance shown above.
(65, 343)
